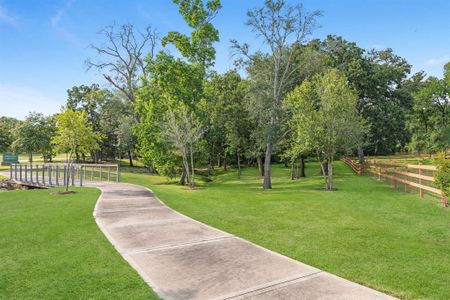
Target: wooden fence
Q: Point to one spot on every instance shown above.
(413, 178)
(356, 167)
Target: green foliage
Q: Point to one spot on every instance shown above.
(442, 177)
(378, 78)
(430, 115)
(198, 47)
(172, 95)
(7, 126)
(324, 118)
(35, 135)
(74, 133)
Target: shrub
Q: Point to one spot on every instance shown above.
(442, 178)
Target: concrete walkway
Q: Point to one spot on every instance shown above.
(181, 258)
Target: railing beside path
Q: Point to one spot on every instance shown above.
(51, 175)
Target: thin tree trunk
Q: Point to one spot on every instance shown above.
(183, 177)
(186, 167)
(210, 167)
(225, 161)
(330, 174)
(292, 169)
(239, 165)
(30, 158)
(260, 166)
(361, 155)
(302, 166)
(267, 183)
(192, 166)
(325, 177)
(130, 157)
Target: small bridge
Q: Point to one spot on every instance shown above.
(54, 175)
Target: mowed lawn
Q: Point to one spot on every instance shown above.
(51, 248)
(365, 231)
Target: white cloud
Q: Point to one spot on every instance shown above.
(6, 17)
(437, 61)
(16, 101)
(56, 18)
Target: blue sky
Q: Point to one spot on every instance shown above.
(43, 44)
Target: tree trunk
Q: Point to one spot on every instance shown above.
(325, 177)
(183, 177)
(361, 155)
(239, 165)
(130, 157)
(192, 167)
(302, 166)
(260, 166)
(30, 158)
(267, 183)
(186, 167)
(330, 175)
(225, 161)
(324, 168)
(292, 170)
(210, 167)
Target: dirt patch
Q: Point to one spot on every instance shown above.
(64, 192)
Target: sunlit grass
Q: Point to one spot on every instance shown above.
(51, 248)
(365, 231)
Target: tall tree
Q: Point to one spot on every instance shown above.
(33, 135)
(123, 51)
(228, 115)
(7, 126)
(430, 114)
(324, 119)
(377, 76)
(280, 26)
(74, 134)
(166, 100)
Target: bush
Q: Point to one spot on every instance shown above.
(442, 178)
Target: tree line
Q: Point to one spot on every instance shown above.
(295, 97)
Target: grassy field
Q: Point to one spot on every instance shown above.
(365, 231)
(51, 248)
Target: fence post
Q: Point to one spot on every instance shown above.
(57, 175)
(73, 175)
(117, 173)
(109, 172)
(406, 179)
(26, 173)
(101, 173)
(37, 174)
(50, 171)
(43, 174)
(15, 171)
(31, 172)
(65, 175)
(81, 175)
(10, 171)
(420, 182)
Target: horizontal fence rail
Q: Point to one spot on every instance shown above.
(413, 177)
(51, 175)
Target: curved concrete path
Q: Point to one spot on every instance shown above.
(181, 258)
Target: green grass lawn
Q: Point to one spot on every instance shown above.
(51, 248)
(365, 231)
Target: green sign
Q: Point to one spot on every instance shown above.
(9, 157)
